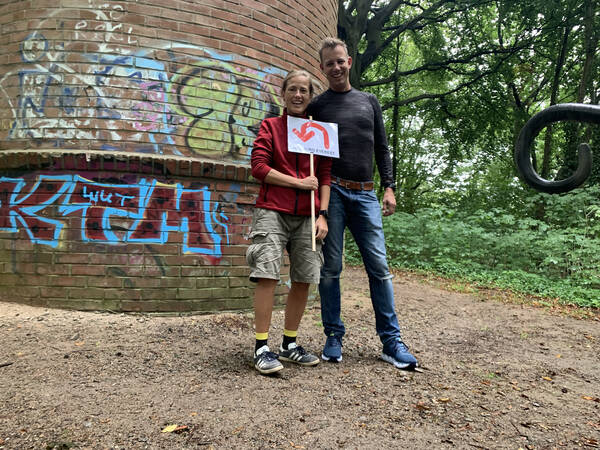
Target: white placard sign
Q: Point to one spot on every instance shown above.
(310, 136)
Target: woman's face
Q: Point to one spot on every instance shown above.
(297, 95)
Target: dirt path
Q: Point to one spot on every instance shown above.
(494, 376)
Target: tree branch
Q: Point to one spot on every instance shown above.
(429, 96)
(445, 65)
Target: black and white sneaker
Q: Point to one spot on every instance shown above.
(296, 354)
(266, 362)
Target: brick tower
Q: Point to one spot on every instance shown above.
(125, 136)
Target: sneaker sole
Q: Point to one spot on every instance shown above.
(307, 364)
(396, 363)
(268, 371)
(331, 359)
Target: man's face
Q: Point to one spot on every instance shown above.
(335, 64)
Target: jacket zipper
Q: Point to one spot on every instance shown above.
(297, 176)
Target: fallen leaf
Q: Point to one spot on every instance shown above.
(559, 356)
(594, 399)
(444, 399)
(591, 442)
(547, 378)
(79, 343)
(193, 413)
(169, 428)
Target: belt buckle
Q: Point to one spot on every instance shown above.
(348, 184)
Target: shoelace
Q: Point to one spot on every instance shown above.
(335, 341)
(300, 350)
(402, 345)
(270, 355)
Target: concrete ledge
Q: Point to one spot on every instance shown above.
(89, 160)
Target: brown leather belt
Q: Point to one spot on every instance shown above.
(355, 185)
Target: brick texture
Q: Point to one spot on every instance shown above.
(124, 233)
(125, 136)
(179, 78)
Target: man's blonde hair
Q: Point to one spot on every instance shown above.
(331, 42)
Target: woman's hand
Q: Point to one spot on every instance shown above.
(310, 183)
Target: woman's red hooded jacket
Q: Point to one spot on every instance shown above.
(270, 151)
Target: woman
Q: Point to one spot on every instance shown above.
(282, 219)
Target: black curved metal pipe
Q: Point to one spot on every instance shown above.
(567, 111)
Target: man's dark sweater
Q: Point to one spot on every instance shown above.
(361, 133)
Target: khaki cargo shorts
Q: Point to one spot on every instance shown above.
(272, 232)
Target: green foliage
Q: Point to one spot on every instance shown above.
(457, 89)
(456, 86)
(559, 258)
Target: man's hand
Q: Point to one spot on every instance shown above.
(389, 202)
(321, 228)
(310, 183)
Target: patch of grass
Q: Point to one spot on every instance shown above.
(556, 261)
(493, 293)
(462, 288)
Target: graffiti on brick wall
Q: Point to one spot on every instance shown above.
(51, 207)
(184, 100)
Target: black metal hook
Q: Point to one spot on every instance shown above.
(577, 112)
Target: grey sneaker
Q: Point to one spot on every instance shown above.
(296, 354)
(266, 362)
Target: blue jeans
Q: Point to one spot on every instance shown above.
(361, 213)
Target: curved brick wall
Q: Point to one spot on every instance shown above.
(125, 135)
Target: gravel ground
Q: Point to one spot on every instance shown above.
(494, 374)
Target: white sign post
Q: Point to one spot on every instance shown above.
(314, 138)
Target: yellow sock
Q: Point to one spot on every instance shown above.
(262, 336)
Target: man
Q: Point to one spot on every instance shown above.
(353, 203)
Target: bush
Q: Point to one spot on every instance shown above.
(559, 257)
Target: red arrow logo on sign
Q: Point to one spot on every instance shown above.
(305, 135)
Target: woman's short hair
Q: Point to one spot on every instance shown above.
(314, 86)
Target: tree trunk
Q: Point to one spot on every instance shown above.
(572, 130)
(553, 96)
(395, 150)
